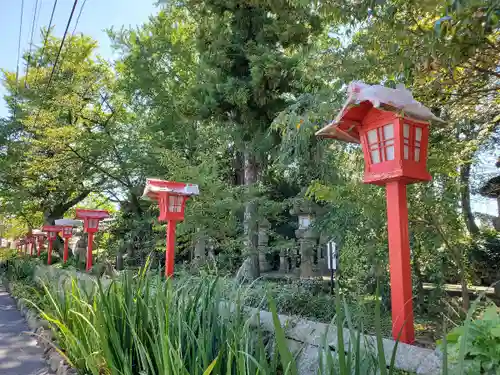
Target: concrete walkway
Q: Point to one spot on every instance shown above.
(19, 354)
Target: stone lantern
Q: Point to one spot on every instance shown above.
(308, 238)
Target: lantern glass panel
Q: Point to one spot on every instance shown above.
(175, 203)
(93, 223)
(373, 145)
(418, 139)
(406, 138)
(412, 136)
(381, 143)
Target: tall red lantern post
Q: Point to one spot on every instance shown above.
(31, 242)
(393, 130)
(91, 220)
(171, 197)
(51, 231)
(26, 244)
(38, 235)
(67, 233)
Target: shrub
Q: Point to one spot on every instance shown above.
(475, 345)
(21, 269)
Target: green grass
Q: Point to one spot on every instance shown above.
(141, 324)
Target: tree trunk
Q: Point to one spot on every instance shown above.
(465, 199)
(250, 218)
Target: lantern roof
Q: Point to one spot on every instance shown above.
(84, 213)
(155, 186)
(362, 98)
(68, 222)
(51, 228)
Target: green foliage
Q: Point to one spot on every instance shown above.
(21, 269)
(474, 345)
(7, 254)
(143, 323)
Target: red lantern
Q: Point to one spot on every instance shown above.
(51, 231)
(91, 220)
(30, 241)
(67, 233)
(38, 235)
(393, 130)
(171, 197)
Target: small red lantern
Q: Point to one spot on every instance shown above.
(91, 220)
(393, 130)
(67, 233)
(171, 197)
(31, 242)
(51, 231)
(38, 235)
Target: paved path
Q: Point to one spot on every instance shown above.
(19, 354)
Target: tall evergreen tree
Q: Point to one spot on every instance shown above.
(251, 57)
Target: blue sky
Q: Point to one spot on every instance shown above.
(97, 16)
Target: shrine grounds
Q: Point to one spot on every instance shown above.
(199, 324)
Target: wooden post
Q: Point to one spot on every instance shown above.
(89, 251)
(40, 242)
(66, 245)
(49, 253)
(170, 251)
(399, 259)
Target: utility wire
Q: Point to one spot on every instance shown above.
(19, 44)
(33, 26)
(57, 57)
(60, 47)
(48, 29)
(78, 18)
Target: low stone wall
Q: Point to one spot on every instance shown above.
(304, 337)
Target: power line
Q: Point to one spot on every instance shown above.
(48, 29)
(33, 26)
(57, 57)
(19, 44)
(78, 18)
(61, 46)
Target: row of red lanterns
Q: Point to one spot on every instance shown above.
(90, 219)
(171, 197)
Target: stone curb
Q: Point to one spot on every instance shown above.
(41, 330)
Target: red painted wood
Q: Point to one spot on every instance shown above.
(49, 254)
(40, 244)
(399, 259)
(170, 253)
(66, 245)
(89, 251)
